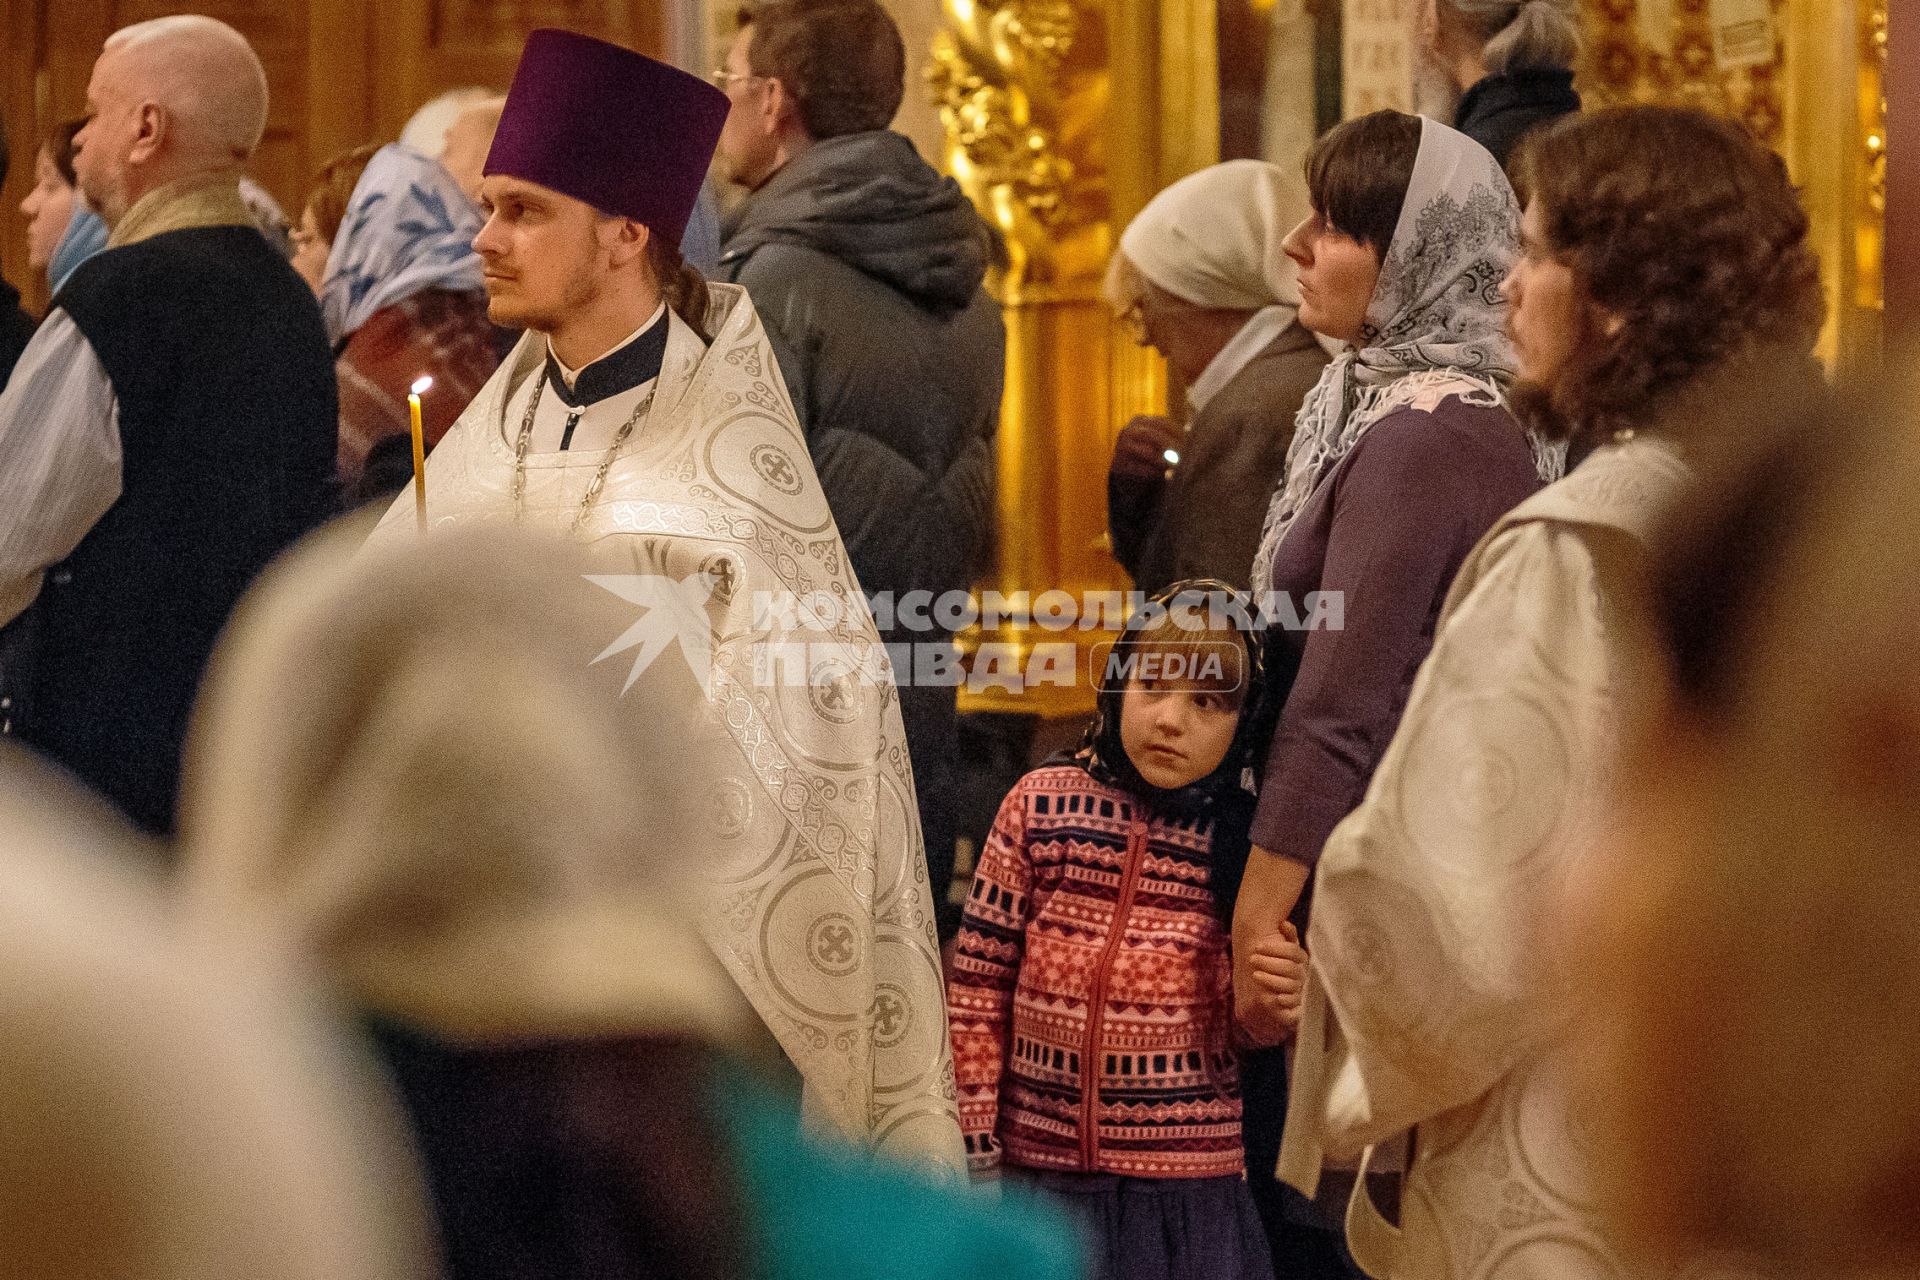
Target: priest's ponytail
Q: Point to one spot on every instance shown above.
(682, 287)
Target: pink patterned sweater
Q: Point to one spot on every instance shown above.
(1090, 1001)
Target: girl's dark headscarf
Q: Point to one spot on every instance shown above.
(1225, 796)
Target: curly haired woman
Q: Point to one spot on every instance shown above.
(1645, 282)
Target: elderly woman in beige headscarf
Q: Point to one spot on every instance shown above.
(1202, 279)
(443, 774)
(171, 1111)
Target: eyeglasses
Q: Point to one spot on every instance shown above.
(1169, 313)
(723, 78)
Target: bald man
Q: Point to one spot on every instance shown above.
(170, 428)
(426, 129)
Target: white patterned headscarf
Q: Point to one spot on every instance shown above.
(408, 228)
(1433, 329)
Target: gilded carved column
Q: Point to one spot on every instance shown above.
(1873, 124)
(1899, 48)
(1054, 118)
(1022, 89)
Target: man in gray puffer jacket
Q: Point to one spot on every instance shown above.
(866, 267)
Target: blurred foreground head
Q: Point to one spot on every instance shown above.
(169, 1113)
(411, 770)
(410, 767)
(1752, 939)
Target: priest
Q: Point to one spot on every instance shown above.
(643, 414)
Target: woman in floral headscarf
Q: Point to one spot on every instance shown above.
(386, 241)
(1403, 455)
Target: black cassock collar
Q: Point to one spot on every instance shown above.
(620, 370)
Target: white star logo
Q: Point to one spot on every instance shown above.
(673, 612)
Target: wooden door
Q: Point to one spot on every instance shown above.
(20, 85)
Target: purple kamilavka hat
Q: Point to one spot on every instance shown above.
(630, 136)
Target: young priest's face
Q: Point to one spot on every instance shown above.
(541, 252)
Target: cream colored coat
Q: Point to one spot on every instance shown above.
(1429, 1006)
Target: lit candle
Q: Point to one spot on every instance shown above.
(420, 386)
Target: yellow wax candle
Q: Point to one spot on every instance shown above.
(420, 386)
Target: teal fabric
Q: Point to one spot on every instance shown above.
(826, 1215)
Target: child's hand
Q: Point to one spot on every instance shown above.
(1268, 1005)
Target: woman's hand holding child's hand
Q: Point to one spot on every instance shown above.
(1274, 981)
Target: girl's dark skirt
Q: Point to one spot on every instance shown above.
(1159, 1228)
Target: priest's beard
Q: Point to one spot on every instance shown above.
(1534, 404)
(561, 294)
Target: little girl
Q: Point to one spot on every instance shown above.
(1091, 1002)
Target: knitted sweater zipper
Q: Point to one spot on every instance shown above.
(1091, 1052)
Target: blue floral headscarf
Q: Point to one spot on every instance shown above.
(408, 228)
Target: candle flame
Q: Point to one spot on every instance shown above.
(421, 384)
(1172, 456)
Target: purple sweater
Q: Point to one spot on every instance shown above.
(1388, 529)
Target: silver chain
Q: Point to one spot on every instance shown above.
(599, 480)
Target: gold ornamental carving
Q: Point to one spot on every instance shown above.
(1871, 235)
(1834, 140)
(1022, 88)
